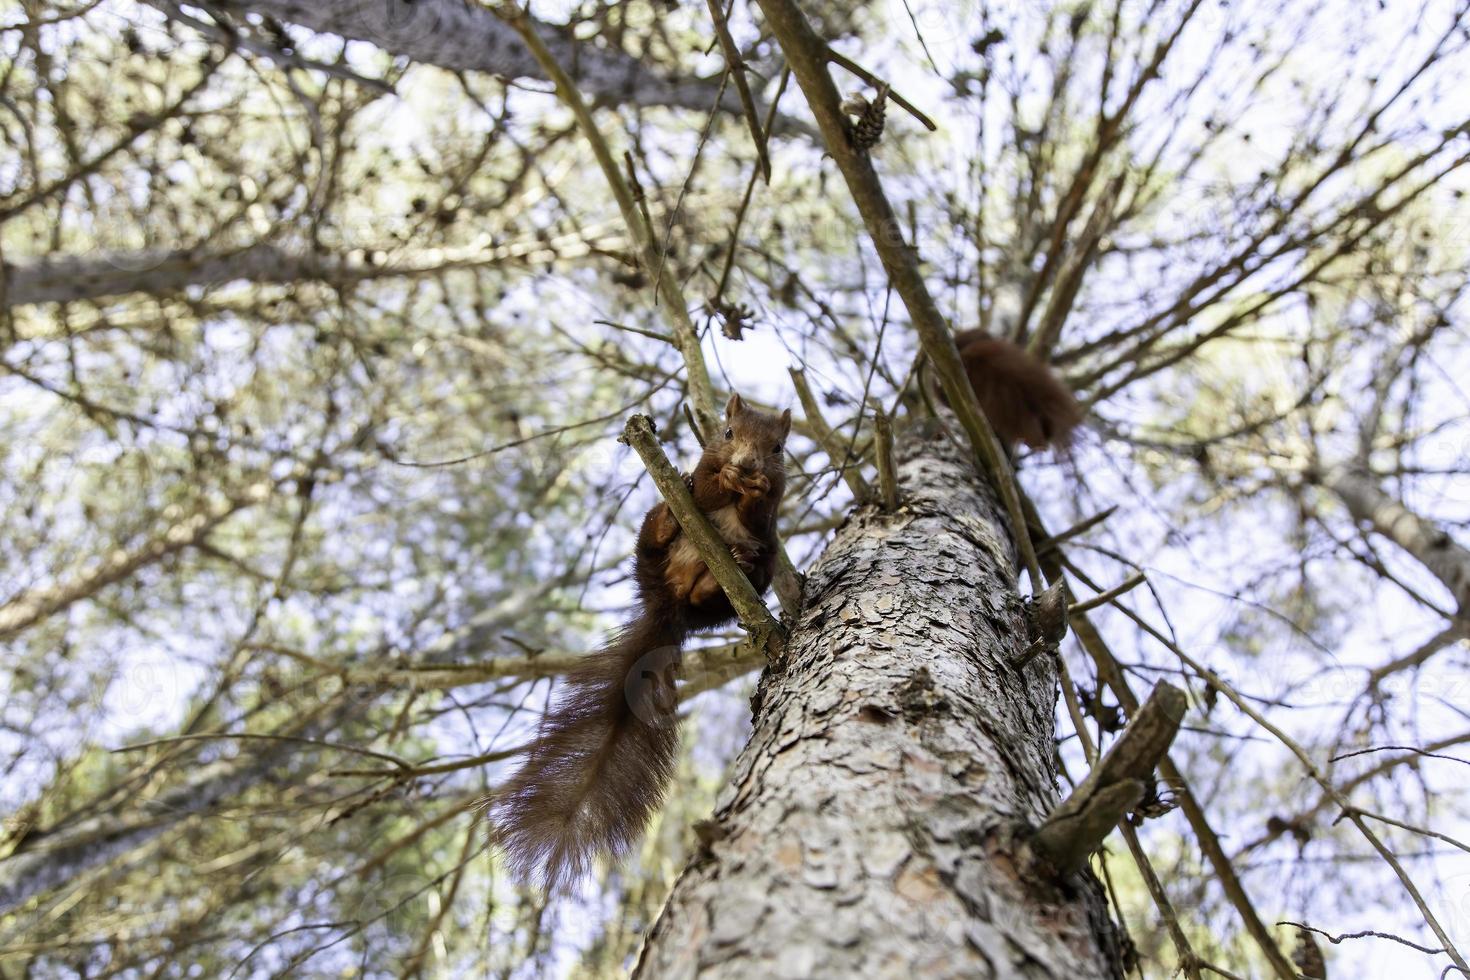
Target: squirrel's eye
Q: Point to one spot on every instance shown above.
(729, 433)
(777, 448)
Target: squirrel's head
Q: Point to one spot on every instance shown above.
(753, 440)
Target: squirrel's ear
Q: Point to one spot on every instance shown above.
(734, 406)
(786, 423)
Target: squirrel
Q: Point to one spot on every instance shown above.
(1021, 396)
(604, 754)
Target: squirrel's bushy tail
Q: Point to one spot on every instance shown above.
(1022, 398)
(601, 762)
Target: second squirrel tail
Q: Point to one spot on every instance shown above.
(1020, 395)
(601, 762)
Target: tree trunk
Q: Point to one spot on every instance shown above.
(870, 825)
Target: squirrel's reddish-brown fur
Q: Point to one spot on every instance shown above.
(605, 751)
(1020, 395)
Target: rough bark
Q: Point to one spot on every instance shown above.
(464, 36)
(871, 824)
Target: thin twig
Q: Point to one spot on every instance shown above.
(434, 768)
(262, 737)
(883, 449)
(641, 331)
(1364, 934)
(1401, 748)
(1131, 582)
(1081, 527)
(837, 58)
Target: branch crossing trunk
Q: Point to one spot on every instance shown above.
(873, 823)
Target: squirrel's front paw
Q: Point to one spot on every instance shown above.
(754, 487)
(730, 479)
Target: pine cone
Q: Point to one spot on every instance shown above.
(1308, 956)
(1155, 803)
(735, 318)
(1046, 623)
(867, 126)
(1046, 614)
